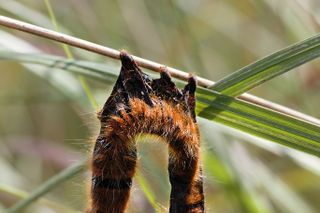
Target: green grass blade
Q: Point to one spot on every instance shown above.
(269, 67)
(20, 194)
(215, 167)
(56, 27)
(247, 117)
(259, 121)
(69, 55)
(146, 189)
(47, 186)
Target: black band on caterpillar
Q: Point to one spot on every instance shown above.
(99, 182)
(140, 105)
(188, 207)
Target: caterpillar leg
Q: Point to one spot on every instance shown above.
(186, 182)
(114, 154)
(185, 173)
(113, 166)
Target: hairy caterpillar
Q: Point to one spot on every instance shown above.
(140, 105)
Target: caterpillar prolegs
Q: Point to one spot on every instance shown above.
(140, 105)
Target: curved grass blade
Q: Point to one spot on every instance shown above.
(69, 55)
(259, 121)
(247, 117)
(269, 67)
(20, 194)
(146, 189)
(64, 175)
(93, 70)
(244, 201)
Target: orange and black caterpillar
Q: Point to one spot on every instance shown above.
(140, 105)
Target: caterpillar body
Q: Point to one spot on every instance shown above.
(140, 105)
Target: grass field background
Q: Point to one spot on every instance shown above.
(47, 122)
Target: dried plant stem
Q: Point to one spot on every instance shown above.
(112, 53)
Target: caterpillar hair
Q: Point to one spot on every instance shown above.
(140, 105)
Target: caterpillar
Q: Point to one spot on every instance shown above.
(140, 105)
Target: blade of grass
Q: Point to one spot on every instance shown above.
(146, 189)
(58, 80)
(269, 67)
(69, 55)
(18, 193)
(56, 27)
(256, 173)
(304, 160)
(245, 202)
(239, 114)
(47, 186)
(259, 121)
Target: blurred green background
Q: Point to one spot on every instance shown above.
(47, 122)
